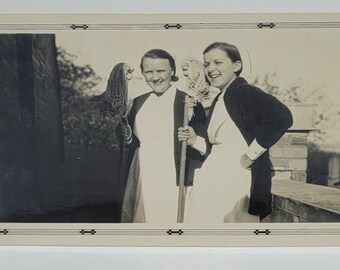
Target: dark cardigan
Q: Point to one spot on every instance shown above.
(259, 116)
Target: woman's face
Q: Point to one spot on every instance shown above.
(218, 68)
(157, 73)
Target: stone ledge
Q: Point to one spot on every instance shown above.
(300, 202)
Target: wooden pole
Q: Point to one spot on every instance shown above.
(181, 191)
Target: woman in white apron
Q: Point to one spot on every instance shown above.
(234, 182)
(151, 193)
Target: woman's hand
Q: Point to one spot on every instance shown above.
(124, 130)
(187, 134)
(246, 162)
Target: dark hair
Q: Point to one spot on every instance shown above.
(231, 50)
(161, 54)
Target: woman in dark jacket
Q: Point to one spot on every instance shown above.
(234, 183)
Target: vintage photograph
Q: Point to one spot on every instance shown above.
(170, 125)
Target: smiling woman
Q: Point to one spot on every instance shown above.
(243, 124)
(155, 151)
(158, 68)
(220, 68)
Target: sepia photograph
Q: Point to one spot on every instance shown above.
(198, 124)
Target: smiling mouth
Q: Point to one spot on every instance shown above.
(156, 83)
(214, 76)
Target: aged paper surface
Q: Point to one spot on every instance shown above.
(293, 55)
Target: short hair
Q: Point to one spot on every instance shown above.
(231, 50)
(161, 54)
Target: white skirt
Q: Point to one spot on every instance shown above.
(221, 191)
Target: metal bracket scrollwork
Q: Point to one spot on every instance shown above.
(266, 232)
(4, 232)
(266, 25)
(79, 26)
(92, 232)
(173, 26)
(171, 232)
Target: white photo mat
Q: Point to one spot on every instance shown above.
(90, 38)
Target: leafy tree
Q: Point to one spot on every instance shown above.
(327, 116)
(84, 126)
(326, 113)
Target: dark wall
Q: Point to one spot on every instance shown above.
(317, 170)
(31, 142)
(16, 165)
(48, 119)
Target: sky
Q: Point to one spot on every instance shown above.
(309, 58)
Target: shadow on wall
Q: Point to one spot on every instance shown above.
(41, 179)
(323, 167)
(88, 190)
